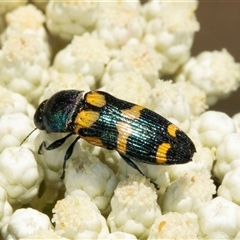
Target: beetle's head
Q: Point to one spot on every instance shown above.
(55, 114)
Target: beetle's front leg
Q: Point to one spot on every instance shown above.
(53, 145)
(68, 155)
(42, 145)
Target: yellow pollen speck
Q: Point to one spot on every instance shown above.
(161, 225)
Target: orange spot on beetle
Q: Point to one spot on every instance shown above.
(132, 113)
(124, 131)
(172, 129)
(95, 99)
(94, 140)
(161, 156)
(85, 119)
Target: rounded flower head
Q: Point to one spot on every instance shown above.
(212, 126)
(24, 222)
(68, 18)
(23, 65)
(25, 19)
(12, 102)
(86, 55)
(26, 175)
(93, 177)
(13, 129)
(175, 226)
(170, 30)
(219, 219)
(142, 59)
(229, 188)
(216, 73)
(227, 155)
(118, 22)
(97, 53)
(134, 57)
(134, 207)
(79, 218)
(188, 193)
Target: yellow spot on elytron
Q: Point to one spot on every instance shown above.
(162, 153)
(172, 129)
(132, 113)
(96, 99)
(94, 140)
(161, 225)
(85, 119)
(124, 131)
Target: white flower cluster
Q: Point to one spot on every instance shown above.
(126, 49)
(25, 53)
(217, 69)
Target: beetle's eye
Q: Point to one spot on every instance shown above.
(38, 116)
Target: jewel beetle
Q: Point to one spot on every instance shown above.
(135, 132)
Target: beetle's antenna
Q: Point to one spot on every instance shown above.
(27, 136)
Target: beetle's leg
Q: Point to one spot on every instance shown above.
(42, 145)
(133, 165)
(53, 145)
(68, 155)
